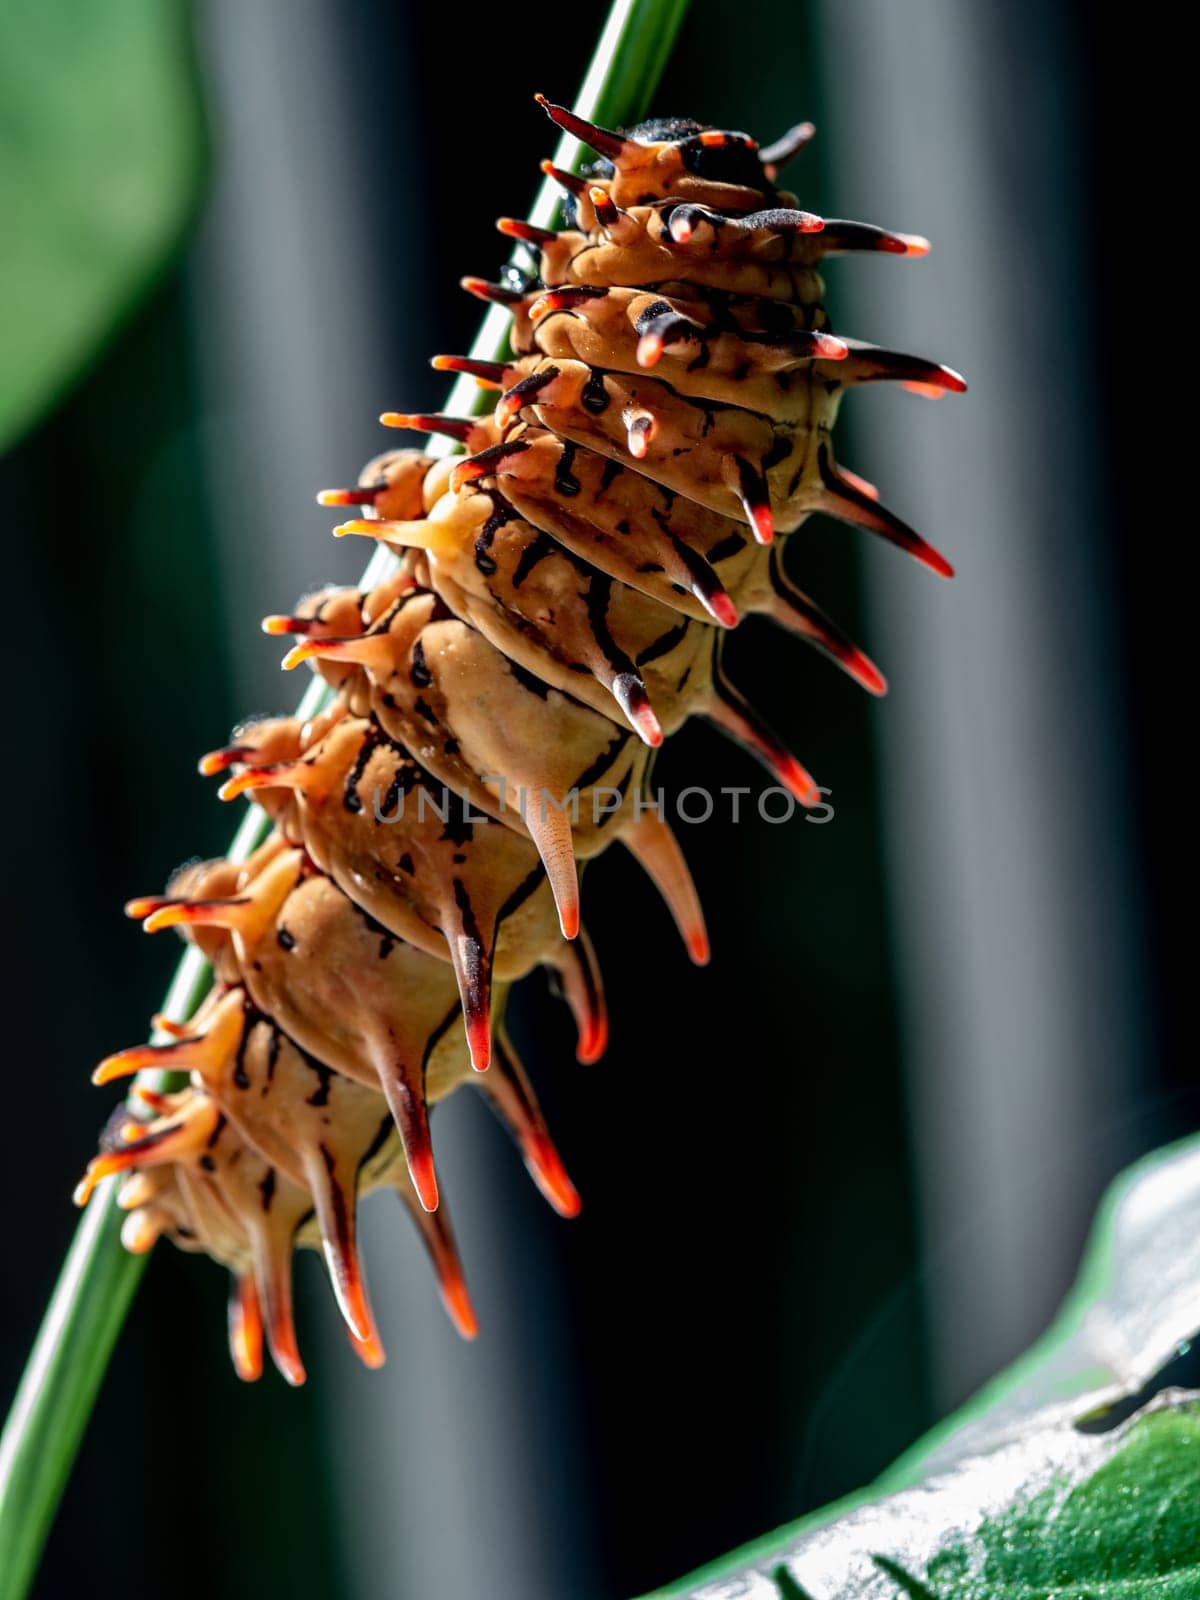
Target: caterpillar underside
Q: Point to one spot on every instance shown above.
(558, 608)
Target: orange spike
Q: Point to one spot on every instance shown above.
(489, 374)
(484, 463)
(569, 180)
(196, 914)
(163, 1024)
(279, 626)
(825, 346)
(656, 850)
(512, 1098)
(523, 393)
(303, 776)
(579, 979)
(783, 149)
(793, 610)
(335, 1210)
(470, 950)
(457, 1301)
(404, 1090)
(145, 905)
(750, 486)
(629, 691)
(365, 496)
(841, 498)
(602, 140)
(141, 1057)
(546, 1167)
(730, 712)
(459, 428)
(369, 1350)
(607, 210)
(479, 1041)
(565, 298)
(370, 650)
(210, 1047)
(438, 1238)
(221, 760)
(526, 232)
(871, 364)
(928, 391)
(618, 224)
(497, 293)
(158, 1103)
(550, 829)
(863, 485)
(139, 1149)
(273, 1280)
(245, 1328)
(649, 349)
(722, 608)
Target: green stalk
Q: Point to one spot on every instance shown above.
(98, 1278)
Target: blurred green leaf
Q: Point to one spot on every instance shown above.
(101, 149)
(1074, 1476)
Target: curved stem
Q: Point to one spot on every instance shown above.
(98, 1278)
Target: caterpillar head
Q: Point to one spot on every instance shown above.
(679, 158)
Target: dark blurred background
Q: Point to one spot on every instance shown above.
(840, 1178)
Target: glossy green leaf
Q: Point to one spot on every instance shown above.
(1075, 1476)
(100, 159)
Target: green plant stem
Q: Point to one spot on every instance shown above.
(98, 1279)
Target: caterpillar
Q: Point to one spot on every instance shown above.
(557, 608)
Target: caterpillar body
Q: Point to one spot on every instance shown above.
(557, 609)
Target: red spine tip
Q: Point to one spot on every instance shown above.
(458, 1306)
(145, 906)
(649, 350)
(479, 1042)
(424, 1178)
(830, 348)
(863, 485)
(370, 1351)
(347, 497)
(864, 671)
(291, 1368)
(933, 391)
(763, 523)
(648, 726)
(526, 232)
(936, 562)
(221, 760)
(799, 782)
(593, 1042)
(277, 626)
(551, 1176)
(723, 609)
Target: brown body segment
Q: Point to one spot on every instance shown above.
(557, 609)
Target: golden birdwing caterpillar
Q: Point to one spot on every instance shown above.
(559, 606)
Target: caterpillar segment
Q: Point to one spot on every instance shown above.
(558, 606)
